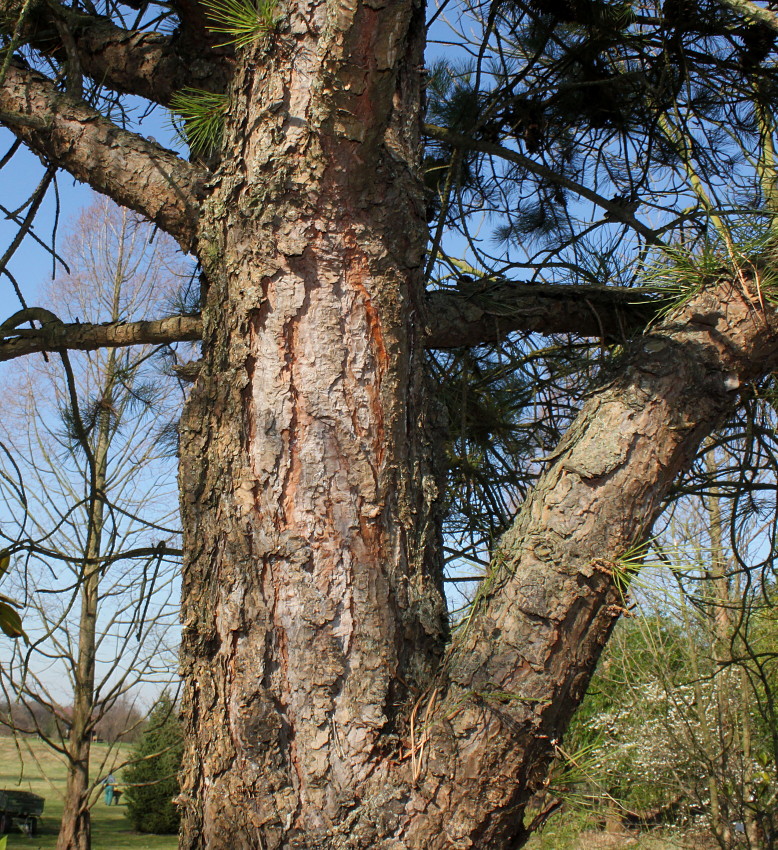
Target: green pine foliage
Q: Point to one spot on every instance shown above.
(151, 782)
(452, 100)
(494, 402)
(243, 21)
(746, 248)
(199, 117)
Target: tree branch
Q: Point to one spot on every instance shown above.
(134, 171)
(461, 319)
(149, 64)
(481, 314)
(56, 335)
(752, 12)
(615, 210)
(521, 663)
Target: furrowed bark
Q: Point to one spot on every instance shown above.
(147, 64)
(312, 596)
(520, 666)
(134, 171)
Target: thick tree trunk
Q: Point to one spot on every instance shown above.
(313, 609)
(319, 710)
(323, 707)
(484, 731)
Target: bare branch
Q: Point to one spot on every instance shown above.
(486, 313)
(134, 171)
(56, 335)
(24, 228)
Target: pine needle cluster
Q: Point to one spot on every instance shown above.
(243, 21)
(199, 117)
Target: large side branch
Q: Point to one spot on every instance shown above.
(482, 314)
(149, 64)
(55, 335)
(134, 171)
(558, 582)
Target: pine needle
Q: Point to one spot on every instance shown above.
(201, 115)
(244, 21)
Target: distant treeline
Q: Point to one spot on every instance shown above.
(120, 720)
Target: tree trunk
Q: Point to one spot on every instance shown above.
(325, 706)
(75, 831)
(313, 610)
(319, 709)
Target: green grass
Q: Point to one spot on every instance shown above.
(33, 767)
(576, 829)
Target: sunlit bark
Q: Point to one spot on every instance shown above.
(325, 706)
(135, 172)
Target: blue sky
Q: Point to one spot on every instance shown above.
(32, 264)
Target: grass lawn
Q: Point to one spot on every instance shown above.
(33, 767)
(576, 829)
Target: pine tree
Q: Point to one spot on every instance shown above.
(152, 780)
(329, 700)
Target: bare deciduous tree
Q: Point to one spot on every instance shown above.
(94, 520)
